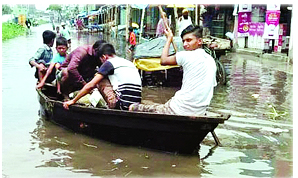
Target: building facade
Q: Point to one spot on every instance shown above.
(263, 26)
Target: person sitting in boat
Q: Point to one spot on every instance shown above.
(59, 58)
(118, 80)
(78, 68)
(43, 56)
(198, 77)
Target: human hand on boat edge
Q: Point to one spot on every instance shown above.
(66, 104)
(39, 85)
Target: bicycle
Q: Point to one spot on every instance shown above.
(220, 70)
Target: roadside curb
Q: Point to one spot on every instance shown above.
(259, 53)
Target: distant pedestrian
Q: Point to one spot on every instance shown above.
(132, 39)
(58, 34)
(184, 21)
(28, 23)
(80, 25)
(65, 33)
(43, 56)
(53, 24)
(160, 29)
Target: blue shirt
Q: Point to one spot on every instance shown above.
(58, 59)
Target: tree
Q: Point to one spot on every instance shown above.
(6, 9)
(57, 8)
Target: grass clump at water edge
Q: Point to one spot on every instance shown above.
(11, 30)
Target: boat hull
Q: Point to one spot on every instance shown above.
(162, 132)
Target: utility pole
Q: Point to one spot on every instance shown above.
(127, 21)
(142, 24)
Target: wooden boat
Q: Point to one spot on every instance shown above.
(170, 133)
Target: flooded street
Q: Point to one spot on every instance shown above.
(256, 141)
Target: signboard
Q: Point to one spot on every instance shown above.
(244, 19)
(272, 24)
(256, 28)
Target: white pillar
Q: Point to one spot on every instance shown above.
(291, 39)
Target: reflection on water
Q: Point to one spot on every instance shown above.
(256, 140)
(79, 153)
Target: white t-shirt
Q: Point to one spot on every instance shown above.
(125, 79)
(124, 72)
(183, 24)
(198, 81)
(65, 33)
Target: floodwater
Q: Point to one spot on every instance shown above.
(256, 141)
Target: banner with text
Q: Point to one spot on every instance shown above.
(272, 24)
(244, 19)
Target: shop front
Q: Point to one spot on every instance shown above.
(265, 27)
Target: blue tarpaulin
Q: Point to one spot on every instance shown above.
(82, 14)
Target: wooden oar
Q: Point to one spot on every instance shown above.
(166, 25)
(215, 138)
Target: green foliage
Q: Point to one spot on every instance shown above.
(55, 7)
(11, 30)
(6, 9)
(274, 114)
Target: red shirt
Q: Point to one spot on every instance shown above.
(132, 38)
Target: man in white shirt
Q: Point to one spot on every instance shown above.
(184, 21)
(198, 81)
(65, 33)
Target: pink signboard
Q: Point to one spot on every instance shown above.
(272, 24)
(244, 18)
(252, 28)
(256, 28)
(260, 29)
(272, 17)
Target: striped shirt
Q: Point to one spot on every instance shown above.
(129, 94)
(125, 79)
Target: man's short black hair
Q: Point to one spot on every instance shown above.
(106, 49)
(48, 36)
(130, 29)
(196, 30)
(61, 41)
(98, 43)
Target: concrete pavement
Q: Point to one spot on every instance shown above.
(259, 53)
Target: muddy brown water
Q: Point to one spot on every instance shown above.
(256, 141)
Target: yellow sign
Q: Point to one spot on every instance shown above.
(22, 19)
